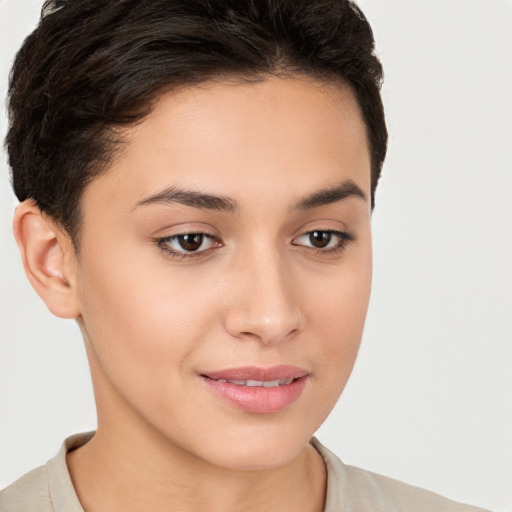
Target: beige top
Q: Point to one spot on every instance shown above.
(49, 488)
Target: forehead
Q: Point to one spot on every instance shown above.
(242, 139)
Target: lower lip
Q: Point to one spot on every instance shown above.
(258, 399)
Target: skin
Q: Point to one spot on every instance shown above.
(259, 294)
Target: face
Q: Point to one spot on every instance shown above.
(225, 269)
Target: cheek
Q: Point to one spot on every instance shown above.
(339, 300)
(143, 321)
(338, 315)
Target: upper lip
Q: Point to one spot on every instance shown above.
(258, 373)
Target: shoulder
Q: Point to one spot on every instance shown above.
(28, 494)
(47, 488)
(354, 489)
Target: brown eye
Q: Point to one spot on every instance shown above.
(188, 244)
(191, 242)
(320, 239)
(324, 241)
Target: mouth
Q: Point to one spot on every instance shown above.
(258, 390)
(258, 383)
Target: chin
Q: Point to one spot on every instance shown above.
(261, 459)
(255, 449)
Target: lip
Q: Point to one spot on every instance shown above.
(258, 399)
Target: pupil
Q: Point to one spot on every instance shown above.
(191, 242)
(320, 239)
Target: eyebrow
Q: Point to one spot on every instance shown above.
(331, 195)
(190, 198)
(196, 199)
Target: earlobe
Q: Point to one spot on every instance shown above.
(48, 258)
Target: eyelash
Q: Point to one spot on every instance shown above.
(162, 243)
(344, 238)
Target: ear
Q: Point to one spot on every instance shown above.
(49, 259)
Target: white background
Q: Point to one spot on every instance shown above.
(430, 400)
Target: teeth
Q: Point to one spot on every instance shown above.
(253, 383)
(259, 383)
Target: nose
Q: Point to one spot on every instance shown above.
(265, 303)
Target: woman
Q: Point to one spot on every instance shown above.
(196, 182)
